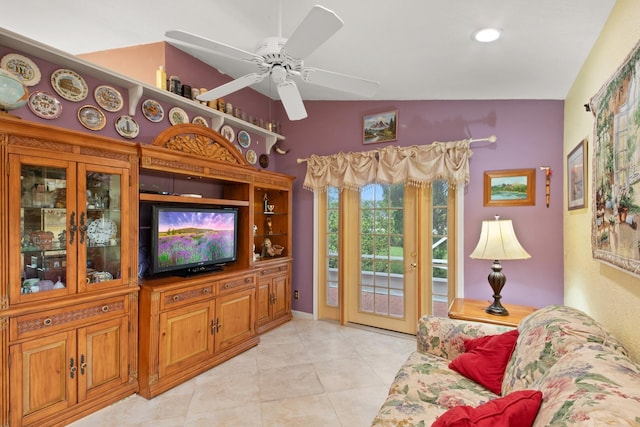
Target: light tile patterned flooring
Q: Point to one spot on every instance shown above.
(303, 373)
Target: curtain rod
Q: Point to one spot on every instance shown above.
(491, 138)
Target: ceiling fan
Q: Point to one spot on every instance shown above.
(281, 59)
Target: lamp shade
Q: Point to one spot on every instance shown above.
(498, 241)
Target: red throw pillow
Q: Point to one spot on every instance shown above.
(519, 408)
(486, 359)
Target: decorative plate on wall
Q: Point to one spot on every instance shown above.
(178, 116)
(152, 110)
(108, 98)
(91, 117)
(127, 127)
(227, 132)
(251, 156)
(199, 120)
(69, 85)
(263, 161)
(22, 67)
(44, 105)
(244, 139)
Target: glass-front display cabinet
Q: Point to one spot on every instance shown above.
(71, 217)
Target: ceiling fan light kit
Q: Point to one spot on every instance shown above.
(282, 60)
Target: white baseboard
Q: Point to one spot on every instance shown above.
(302, 315)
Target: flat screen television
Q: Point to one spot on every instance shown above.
(191, 240)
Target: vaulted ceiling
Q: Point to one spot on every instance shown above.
(416, 49)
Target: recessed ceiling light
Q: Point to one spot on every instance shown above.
(487, 35)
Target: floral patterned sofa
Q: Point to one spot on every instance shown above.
(583, 371)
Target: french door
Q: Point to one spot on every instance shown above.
(384, 254)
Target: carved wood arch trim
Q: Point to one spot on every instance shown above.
(200, 141)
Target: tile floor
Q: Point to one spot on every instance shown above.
(303, 373)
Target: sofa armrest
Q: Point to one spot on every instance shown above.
(445, 337)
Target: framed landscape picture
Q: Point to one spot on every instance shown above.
(515, 187)
(577, 176)
(380, 127)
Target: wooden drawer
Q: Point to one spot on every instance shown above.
(269, 271)
(235, 283)
(43, 322)
(180, 297)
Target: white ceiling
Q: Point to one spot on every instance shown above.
(416, 49)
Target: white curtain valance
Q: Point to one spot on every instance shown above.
(417, 165)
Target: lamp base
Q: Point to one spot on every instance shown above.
(497, 309)
(497, 280)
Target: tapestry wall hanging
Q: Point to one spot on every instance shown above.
(616, 165)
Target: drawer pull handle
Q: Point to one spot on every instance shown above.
(248, 280)
(105, 308)
(47, 322)
(176, 297)
(205, 291)
(227, 285)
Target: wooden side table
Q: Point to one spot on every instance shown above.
(472, 309)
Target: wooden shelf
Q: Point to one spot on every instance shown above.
(136, 89)
(164, 198)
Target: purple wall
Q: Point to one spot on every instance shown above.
(529, 136)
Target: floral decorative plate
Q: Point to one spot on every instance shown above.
(199, 120)
(227, 132)
(44, 105)
(178, 116)
(108, 98)
(152, 110)
(244, 139)
(22, 67)
(91, 117)
(127, 127)
(251, 156)
(69, 85)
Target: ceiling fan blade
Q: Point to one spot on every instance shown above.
(315, 29)
(214, 46)
(232, 86)
(291, 100)
(342, 82)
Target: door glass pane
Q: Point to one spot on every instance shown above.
(333, 197)
(103, 226)
(381, 241)
(440, 249)
(43, 220)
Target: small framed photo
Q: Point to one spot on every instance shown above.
(577, 176)
(515, 187)
(380, 127)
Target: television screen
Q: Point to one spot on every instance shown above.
(192, 239)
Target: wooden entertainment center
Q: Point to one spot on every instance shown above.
(78, 329)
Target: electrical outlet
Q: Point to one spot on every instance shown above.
(296, 294)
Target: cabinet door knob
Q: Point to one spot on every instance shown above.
(47, 322)
(176, 297)
(227, 285)
(72, 227)
(248, 280)
(83, 227)
(206, 291)
(72, 368)
(105, 308)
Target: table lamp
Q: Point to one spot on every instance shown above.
(498, 242)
